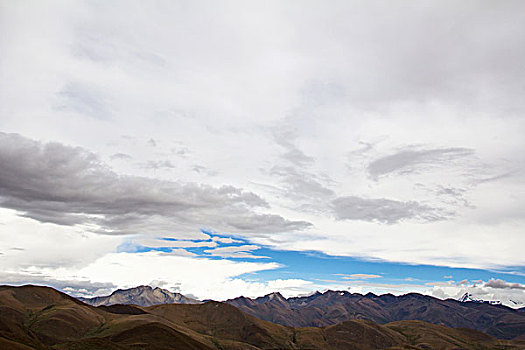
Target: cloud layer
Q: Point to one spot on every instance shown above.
(375, 130)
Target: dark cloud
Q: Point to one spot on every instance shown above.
(500, 284)
(382, 210)
(67, 185)
(410, 160)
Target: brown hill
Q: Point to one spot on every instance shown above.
(43, 318)
(332, 307)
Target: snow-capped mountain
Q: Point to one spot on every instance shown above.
(142, 296)
(468, 297)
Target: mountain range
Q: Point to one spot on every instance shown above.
(33, 317)
(332, 307)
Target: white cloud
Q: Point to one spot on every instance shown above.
(25, 242)
(509, 294)
(204, 278)
(357, 276)
(226, 240)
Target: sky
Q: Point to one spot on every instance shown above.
(226, 148)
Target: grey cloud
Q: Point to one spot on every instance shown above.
(179, 252)
(163, 243)
(202, 170)
(85, 100)
(450, 191)
(270, 223)
(448, 194)
(301, 184)
(382, 210)
(500, 284)
(361, 152)
(455, 197)
(68, 186)
(496, 177)
(296, 156)
(410, 160)
(158, 164)
(225, 240)
(120, 156)
(243, 251)
(285, 137)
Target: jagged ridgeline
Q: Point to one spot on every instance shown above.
(332, 307)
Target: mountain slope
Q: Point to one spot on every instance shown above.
(142, 296)
(332, 307)
(43, 318)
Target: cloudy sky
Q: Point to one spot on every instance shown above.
(220, 148)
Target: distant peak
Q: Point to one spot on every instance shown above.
(143, 295)
(469, 297)
(465, 297)
(275, 295)
(339, 292)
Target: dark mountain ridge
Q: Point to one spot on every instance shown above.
(332, 307)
